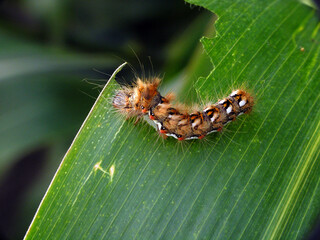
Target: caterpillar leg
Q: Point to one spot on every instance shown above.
(164, 136)
(138, 119)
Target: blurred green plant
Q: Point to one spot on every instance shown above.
(258, 180)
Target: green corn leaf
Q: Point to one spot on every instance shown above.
(259, 179)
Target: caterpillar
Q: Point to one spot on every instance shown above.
(173, 119)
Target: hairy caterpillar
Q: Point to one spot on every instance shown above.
(173, 120)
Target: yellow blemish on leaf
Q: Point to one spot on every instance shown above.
(98, 167)
(111, 169)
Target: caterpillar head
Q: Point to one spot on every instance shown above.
(149, 94)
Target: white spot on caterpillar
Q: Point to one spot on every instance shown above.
(229, 109)
(159, 125)
(212, 119)
(191, 138)
(242, 103)
(234, 93)
(172, 135)
(212, 131)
